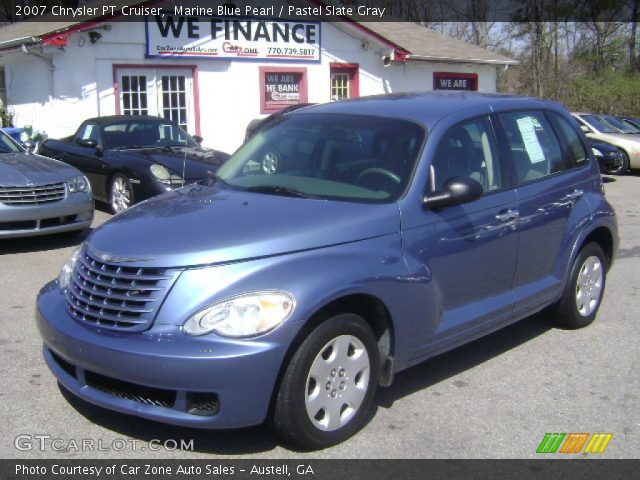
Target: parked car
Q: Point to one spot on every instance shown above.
(258, 124)
(365, 247)
(633, 121)
(21, 137)
(132, 158)
(610, 158)
(621, 125)
(596, 128)
(39, 195)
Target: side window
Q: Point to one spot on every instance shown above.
(88, 132)
(468, 150)
(534, 146)
(577, 152)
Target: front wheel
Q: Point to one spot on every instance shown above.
(620, 169)
(329, 384)
(121, 194)
(582, 295)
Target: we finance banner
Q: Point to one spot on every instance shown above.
(170, 35)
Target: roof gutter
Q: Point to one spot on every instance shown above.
(18, 42)
(435, 58)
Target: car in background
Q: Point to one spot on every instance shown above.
(610, 158)
(621, 125)
(39, 195)
(131, 158)
(258, 124)
(633, 121)
(597, 128)
(21, 137)
(387, 231)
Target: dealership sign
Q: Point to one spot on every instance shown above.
(232, 38)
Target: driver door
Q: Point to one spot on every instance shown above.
(469, 249)
(89, 160)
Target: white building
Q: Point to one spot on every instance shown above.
(57, 75)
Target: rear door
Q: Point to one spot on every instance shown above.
(549, 172)
(88, 160)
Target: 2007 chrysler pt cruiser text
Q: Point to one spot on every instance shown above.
(345, 243)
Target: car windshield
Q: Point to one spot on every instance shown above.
(332, 156)
(7, 144)
(137, 133)
(622, 126)
(600, 124)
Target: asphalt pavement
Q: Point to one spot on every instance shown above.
(493, 398)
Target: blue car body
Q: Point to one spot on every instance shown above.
(441, 277)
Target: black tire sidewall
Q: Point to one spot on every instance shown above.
(129, 187)
(567, 313)
(290, 418)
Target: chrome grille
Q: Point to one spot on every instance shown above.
(116, 297)
(35, 195)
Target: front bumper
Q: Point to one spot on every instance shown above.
(75, 212)
(162, 373)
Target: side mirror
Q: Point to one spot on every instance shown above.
(198, 139)
(29, 145)
(87, 142)
(585, 129)
(455, 191)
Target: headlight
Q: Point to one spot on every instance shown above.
(242, 316)
(78, 184)
(64, 277)
(597, 152)
(163, 175)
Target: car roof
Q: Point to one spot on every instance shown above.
(427, 107)
(123, 118)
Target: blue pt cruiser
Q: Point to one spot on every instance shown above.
(341, 245)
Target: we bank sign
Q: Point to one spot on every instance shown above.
(232, 38)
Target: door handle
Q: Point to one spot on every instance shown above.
(573, 195)
(508, 216)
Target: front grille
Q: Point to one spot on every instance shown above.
(131, 391)
(116, 297)
(36, 195)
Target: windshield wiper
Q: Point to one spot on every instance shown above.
(213, 178)
(278, 190)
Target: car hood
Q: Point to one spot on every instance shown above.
(618, 139)
(199, 161)
(21, 169)
(198, 225)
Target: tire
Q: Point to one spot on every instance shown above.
(329, 384)
(622, 169)
(582, 295)
(120, 194)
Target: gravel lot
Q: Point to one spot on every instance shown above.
(493, 398)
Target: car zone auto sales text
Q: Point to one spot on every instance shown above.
(156, 470)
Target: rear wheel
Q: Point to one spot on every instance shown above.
(583, 293)
(120, 194)
(329, 384)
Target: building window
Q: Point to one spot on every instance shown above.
(281, 87)
(163, 91)
(134, 95)
(344, 81)
(174, 99)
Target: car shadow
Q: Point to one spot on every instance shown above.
(465, 357)
(608, 179)
(260, 439)
(43, 243)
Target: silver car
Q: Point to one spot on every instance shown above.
(39, 195)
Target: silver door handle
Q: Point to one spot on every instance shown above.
(507, 216)
(574, 195)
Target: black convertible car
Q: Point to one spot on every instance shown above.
(131, 158)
